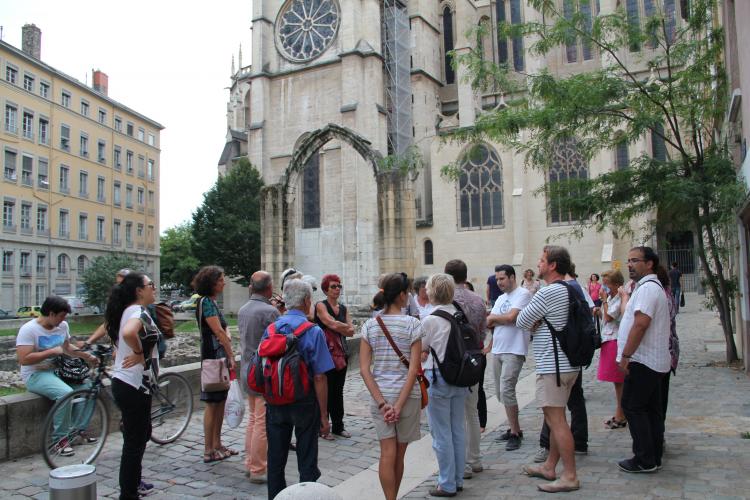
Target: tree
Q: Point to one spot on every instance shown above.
(178, 260)
(100, 276)
(658, 78)
(226, 227)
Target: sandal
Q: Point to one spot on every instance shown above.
(229, 451)
(613, 423)
(213, 456)
(328, 437)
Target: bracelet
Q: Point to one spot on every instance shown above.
(381, 405)
(626, 356)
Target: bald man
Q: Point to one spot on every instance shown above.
(252, 320)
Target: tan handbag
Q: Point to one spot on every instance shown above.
(214, 372)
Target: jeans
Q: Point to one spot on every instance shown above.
(304, 419)
(135, 407)
(473, 434)
(676, 293)
(579, 421)
(256, 443)
(642, 404)
(336, 380)
(47, 384)
(445, 414)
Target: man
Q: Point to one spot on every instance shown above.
(39, 342)
(509, 346)
(493, 290)
(307, 418)
(473, 307)
(252, 320)
(643, 355)
(551, 303)
(579, 421)
(674, 282)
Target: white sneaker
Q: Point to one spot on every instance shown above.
(468, 474)
(541, 455)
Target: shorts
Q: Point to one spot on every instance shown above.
(547, 392)
(406, 429)
(506, 369)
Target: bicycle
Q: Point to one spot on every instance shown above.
(80, 421)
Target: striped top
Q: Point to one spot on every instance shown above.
(389, 372)
(550, 302)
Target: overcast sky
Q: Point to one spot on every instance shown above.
(168, 60)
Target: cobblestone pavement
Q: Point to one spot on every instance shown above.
(705, 456)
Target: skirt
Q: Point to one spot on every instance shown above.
(608, 371)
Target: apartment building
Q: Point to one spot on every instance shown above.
(80, 177)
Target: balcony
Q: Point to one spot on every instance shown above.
(26, 271)
(140, 209)
(42, 232)
(64, 235)
(27, 230)
(9, 228)
(129, 244)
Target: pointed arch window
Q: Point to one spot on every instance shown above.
(504, 10)
(429, 258)
(568, 166)
(311, 193)
(622, 155)
(450, 74)
(480, 189)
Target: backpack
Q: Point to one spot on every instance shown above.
(163, 317)
(578, 337)
(464, 361)
(277, 369)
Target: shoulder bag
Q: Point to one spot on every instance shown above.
(214, 372)
(423, 383)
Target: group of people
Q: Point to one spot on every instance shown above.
(403, 345)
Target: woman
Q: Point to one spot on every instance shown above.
(334, 319)
(445, 410)
(395, 406)
(134, 333)
(594, 289)
(612, 307)
(529, 283)
(423, 303)
(215, 344)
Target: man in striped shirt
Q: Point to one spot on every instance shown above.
(551, 303)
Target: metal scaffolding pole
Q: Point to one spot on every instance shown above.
(397, 63)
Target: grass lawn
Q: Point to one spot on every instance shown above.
(76, 329)
(7, 391)
(192, 326)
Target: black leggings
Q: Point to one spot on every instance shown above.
(336, 380)
(135, 407)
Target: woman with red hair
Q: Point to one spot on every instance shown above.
(334, 319)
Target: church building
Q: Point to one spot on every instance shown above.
(337, 85)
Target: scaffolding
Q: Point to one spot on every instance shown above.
(397, 64)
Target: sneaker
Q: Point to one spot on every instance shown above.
(258, 478)
(541, 455)
(506, 435)
(582, 450)
(477, 467)
(630, 465)
(468, 473)
(437, 492)
(63, 448)
(145, 489)
(514, 442)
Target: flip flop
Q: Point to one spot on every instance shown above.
(532, 471)
(213, 456)
(557, 487)
(327, 437)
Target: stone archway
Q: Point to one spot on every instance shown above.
(396, 213)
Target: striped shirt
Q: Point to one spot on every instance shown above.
(389, 372)
(550, 302)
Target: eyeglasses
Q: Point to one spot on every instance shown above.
(151, 284)
(337, 287)
(633, 261)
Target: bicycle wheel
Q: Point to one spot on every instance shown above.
(75, 429)
(171, 408)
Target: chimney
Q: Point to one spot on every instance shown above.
(100, 81)
(32, 41)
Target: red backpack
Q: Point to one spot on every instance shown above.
(278, 370)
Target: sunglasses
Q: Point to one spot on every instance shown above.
(337, 287)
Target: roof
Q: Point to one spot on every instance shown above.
(77, 83)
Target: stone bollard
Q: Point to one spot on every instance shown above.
(73, 482)
(308, 491)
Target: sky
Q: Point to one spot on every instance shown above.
(168, 60)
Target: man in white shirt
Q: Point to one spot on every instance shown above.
(509, 346)
(643, 355)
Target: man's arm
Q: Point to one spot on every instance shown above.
(27, 356)
(508, 318)
(640, 325)
(534, 312)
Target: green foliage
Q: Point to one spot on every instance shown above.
(226, 227)
(410, 161)
(100, 276)
(178, 260)
(672, 87)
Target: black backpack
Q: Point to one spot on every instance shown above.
(578, 337)
(464, 361)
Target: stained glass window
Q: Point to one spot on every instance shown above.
(450, 74)
(306, 28)
(567, 165)
(311, 193)
(480, 189)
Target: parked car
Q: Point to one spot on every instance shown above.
(190, 304)
(77, 306)
(7, 314)
(29, 311)
(174, 305)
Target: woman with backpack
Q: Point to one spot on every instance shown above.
(215, 344)
(396, 398)
(132, 330)
(445, 410)
(334, 319)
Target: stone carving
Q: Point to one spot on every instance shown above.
(306, 28)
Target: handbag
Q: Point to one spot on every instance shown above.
(335, 347)
(424, 384)
(214, 372)
(71, 370)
